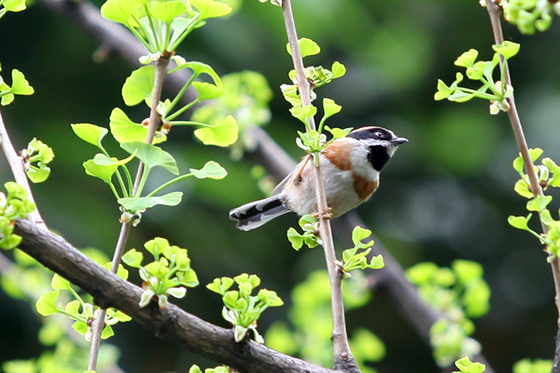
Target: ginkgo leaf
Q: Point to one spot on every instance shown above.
(210, 170)
(223, 134)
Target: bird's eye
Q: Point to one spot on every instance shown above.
(378, 134)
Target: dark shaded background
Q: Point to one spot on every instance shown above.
(445, 195)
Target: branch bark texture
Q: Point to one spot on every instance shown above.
(172, 323)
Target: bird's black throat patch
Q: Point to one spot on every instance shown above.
(378, 156)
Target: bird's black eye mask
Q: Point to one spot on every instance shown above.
(378, 157)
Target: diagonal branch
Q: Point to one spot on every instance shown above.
(495, 11)
(171, 323)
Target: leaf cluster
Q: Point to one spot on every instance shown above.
(246, 97)
(36, 158)
(483, 71)
(162, 25)
(313, 140)
(459, 293)
(530, 15)
(241, 309)
(356, 257)
(20, 85)
(13, 205)
(168, 274)
(82, 312)
(548, 173)
(311, 324)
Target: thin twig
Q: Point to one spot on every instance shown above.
(494, 11)
(16, 166)
(343, 358)
(154, 122)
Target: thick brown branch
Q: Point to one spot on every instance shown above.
(172, 323)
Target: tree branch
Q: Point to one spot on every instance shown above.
(343, 359)
(495, 11)
(171, 323)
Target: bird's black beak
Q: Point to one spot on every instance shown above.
(399, 140)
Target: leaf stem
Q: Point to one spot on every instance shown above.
(343, 358)
(169, 183)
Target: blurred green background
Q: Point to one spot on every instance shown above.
(446, 195)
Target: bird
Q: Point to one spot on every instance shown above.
(350, 166)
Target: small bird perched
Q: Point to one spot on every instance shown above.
(350, 167)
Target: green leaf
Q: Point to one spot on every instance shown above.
(46, 304)
(376, 262)
(90, 133)
(210, 8)
(520, 222)
(460, 96)
(223, 134)
(166, 11)
(119, 10)
(467, 270)
(443, 91)
(139, 85)
(60, 283)
(207, 91)
(152, 156)
(295, 238)
(467, 59)
(538, 203)
(195, 369)
(125, 130)
(220, 285)
(535, 154)
(133, 258)
(359, 234)
(522, 188)
(421, 273)
(38, 175)
(15, 5)
(476, 298)
(143, 203)
(103, 172)
(73, 307)
(518, 164)
(338, 133)
(103, 160)
(107, 332)
(338, 70)
(466, 366)
(303, 113)
(80, 326)
(20, 86)
(307, 47)
(507, 49)
(7, 99)
(330, 107)
(210, 170)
